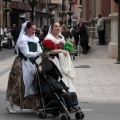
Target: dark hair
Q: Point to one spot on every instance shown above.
(54, 23)
(29, 24)
(46, 65)
(99, 15)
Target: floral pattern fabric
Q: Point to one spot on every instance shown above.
(15, 88)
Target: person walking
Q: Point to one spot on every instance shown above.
(15, 33)
(20, 88)
(61, 57)
(8, 34)
(83, 37)
(45, 30)
(101, 30)
(75, 34)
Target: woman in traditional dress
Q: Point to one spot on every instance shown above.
(62, 61)
(20, 89)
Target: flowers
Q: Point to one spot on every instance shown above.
(47, 46)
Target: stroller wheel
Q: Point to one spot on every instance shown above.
(68, 116)
(82, 115)
(79, 115)
(65, 117)
(42, 115)
(73, 57)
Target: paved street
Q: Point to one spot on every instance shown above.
(97, 86)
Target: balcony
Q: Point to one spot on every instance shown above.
(19, 5)
(25, 6)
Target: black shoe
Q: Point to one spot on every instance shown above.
(75, 107)
(89, 47)
(70, 109)
(84, 52)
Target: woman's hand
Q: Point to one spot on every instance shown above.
(42, 54)
(64, 52)
(56, 51)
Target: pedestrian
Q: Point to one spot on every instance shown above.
(65, 32)
(61, 57)
(45, 30)
(20, 90)
(75, 34)
(9, 36)
(41, 37)
(1, 37)
(15, 33)
(83, 37)
(101, 30)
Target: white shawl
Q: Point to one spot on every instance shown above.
(66, 65)
(65, 61)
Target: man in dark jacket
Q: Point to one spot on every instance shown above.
(45, 30)
(83, 37)
(15, 33)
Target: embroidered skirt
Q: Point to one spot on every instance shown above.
(15, 89)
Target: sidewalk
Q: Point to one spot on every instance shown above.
(100, 82)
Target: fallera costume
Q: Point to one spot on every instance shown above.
(63, 63)
(20, 90)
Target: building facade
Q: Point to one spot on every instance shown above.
(90, 11)
(45, 12)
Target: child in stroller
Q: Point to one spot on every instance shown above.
(50, 78)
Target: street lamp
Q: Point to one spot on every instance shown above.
(62, 17)
(50, 10)
(32, 4)
(70, 12)
(63, 11)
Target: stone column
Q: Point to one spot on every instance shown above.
(113, 45)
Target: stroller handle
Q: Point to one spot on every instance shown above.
(35, 61)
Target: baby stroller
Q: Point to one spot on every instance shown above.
(50, 100)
